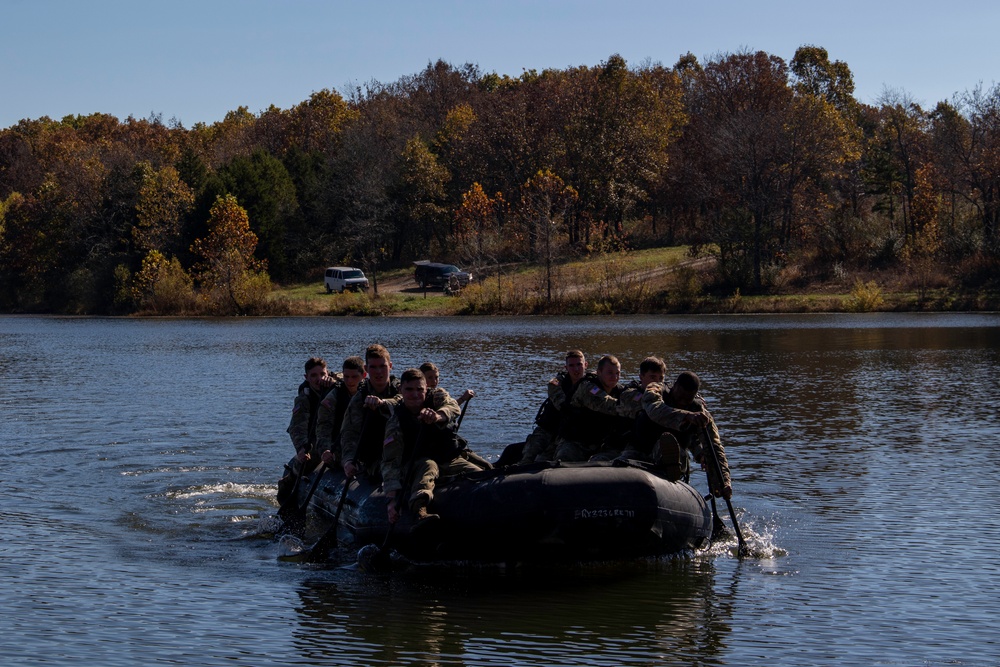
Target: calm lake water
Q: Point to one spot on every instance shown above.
(138, 461)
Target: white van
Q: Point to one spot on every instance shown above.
(343, 278)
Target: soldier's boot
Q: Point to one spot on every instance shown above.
(669, 457)
(421, 517)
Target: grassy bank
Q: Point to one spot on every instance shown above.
(659, 280)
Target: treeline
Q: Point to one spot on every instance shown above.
(772, 166)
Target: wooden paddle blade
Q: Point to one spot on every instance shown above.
(374, 559)
(301, 557)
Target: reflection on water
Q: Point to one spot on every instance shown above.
(612, 614)
(137, 487)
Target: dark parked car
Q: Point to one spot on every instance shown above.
(433, 274)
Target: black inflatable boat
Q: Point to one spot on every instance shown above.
(537, 513)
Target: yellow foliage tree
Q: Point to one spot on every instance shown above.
(163, 200)
(232, 280)
(162, 286)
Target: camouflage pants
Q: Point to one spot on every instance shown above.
(571, 450)
(538, 447)
(427, 471)
(666, 453)
(669, 454)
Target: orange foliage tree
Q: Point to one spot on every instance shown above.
(232, 280)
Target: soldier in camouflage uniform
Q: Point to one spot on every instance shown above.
(421, 446)
(333, 407)
(540, 445)
(677, 423)
(651, 369)
(592, 415)
(432, 375)
(364, 422)
(302, 427)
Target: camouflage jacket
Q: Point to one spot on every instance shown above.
(356, 425)
(394, 445)
(657, 405)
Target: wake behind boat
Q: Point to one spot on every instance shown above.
(544, 512)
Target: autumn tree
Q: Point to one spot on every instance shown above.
(233, 136)
(511, 134)
(899, 147)
(814, 74)
(362, 176)
(59, 229)
(163, 201)
(316, 124)
(737, 141)
(967, 141)
(162, 286)
(420, 191)
(544, 204)
(619, 127)
(231, 279)
(479, 233)
(767, 158)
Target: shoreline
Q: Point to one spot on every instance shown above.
(654, 281)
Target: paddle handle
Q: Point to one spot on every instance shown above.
(461, 415)
(717, 467)
(319, 472)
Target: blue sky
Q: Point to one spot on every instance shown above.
(196, 60)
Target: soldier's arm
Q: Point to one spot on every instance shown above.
(298, 428)
(386, 405)
(392, 457)
(665, 415)
(556, 394)
(720, 453)
(326, 416)
(350, 432)
(590, 396)
(630, 403)
(444, 404)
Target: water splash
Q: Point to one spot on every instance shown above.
(758, 534)
(290, 545)
(227, 489)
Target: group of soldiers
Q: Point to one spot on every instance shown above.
(592, 416)
(404, 431)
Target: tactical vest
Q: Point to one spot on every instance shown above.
(588, 427)
(343, 399)
(645, 433)
(373, 431)
(548, 416)
(432, 442)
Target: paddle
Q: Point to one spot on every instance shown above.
(370, 557)
(296, 519)
(321, 469)
(321, 550)
(742, 550)
(461, 415)
(290, 500)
